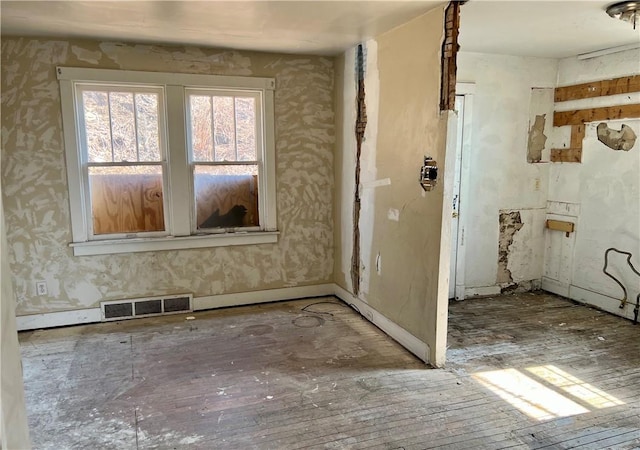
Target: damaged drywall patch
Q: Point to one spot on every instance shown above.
(361, 125)
(522, 286)
(510, 224)
(537, 139)
(623, 139)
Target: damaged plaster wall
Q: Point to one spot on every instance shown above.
(537, 139)
(35, 193)
(600, 195)
(510, 224)
(510, 92)
(622, 139)
(345, 166)
(400, 224)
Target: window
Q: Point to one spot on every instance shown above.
(225, 157)
(167, 161)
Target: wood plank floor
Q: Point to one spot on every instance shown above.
(523, 371)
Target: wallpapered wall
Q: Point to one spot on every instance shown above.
(34, 183)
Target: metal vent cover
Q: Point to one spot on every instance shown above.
(146, 307)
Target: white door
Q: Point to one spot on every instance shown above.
(455, 212)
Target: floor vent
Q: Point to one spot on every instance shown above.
(145, 307)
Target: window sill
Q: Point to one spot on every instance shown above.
(107, 247)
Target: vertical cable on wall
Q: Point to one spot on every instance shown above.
(361, 124)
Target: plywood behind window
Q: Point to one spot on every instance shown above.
(133, 203)
(126, 203)
(223, 192)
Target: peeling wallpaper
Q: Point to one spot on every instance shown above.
(35, 193)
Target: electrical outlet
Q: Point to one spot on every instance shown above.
(41, 288)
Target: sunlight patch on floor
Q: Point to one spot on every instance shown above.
(529, 396)
(575, 387)
(536, 393)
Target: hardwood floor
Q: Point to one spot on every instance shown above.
(523, 371)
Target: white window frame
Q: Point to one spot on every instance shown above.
(260, 161)
(179, 196)
(85, 164)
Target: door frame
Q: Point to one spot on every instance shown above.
(467, 90)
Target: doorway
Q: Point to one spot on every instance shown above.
(464, 93)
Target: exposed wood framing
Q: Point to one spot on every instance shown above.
(577, 135)
(450, 49)
(574, 152)
(361, 124)
(580, 116)
(577, 118)
(613, 86)
(569, 155)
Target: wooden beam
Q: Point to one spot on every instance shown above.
(577, 135)
(448, 63)
(601, 88)
(560, 225)
(569, 155)
(581, 116)
(574, 152)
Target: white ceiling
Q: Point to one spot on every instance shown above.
(518, 27)
(554, 29)
(314, 27)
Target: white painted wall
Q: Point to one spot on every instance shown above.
(601, 195)
(500, 178)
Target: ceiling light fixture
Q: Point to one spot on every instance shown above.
(627, 11)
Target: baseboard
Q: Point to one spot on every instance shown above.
(58, 319)
(601, 301)
(399, 334)
(268, 295)
(393, 330)
(481, 291)
(555, 287)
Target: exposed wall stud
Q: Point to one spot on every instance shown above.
(450, 49)
(577, 118)
(614, 86)
(580, 116)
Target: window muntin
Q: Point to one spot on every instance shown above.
(226, 158)
(123, 159)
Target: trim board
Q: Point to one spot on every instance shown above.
(255, 297)
(393, 330)
(58, 319)
(92, 315)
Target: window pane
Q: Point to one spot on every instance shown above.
(224, 129)
(126, 199)
(201, 132)
(123, 127)
(95, 107)
(226, 196)
(148, 128)
(246, 128)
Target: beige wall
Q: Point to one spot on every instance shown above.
(400, 225)
(14, 432)
(35, 184)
